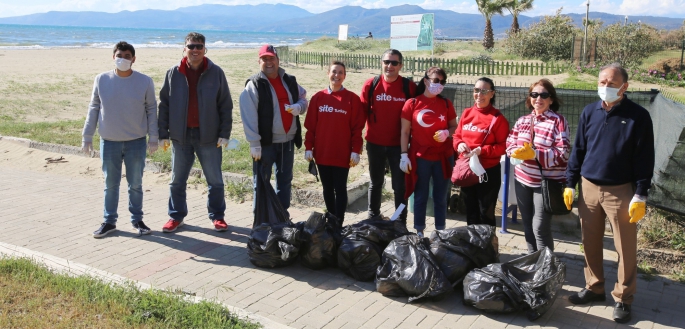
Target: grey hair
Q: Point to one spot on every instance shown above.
(616, 66)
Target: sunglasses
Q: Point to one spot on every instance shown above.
(389, 62)
(193, 46)
(544, 95)
(481, 91)
(436, 80)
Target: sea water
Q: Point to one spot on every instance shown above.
(38, 36)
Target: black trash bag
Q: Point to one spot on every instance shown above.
(268, 209)
(409, 269)
(461, 249)
(319, 241)
(529, 283)
(273, 245)
(359, 253)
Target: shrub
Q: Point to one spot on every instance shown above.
(549, 39)
(626, 44)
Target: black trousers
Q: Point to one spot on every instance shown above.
(334, 181)
(378, 155)
(480, 199)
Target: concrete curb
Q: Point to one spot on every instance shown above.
(64, 266)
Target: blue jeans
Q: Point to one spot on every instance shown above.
(283, 155)
(182, 159)
(427, 170)
(113, 154)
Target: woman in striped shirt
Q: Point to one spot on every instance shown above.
(550, 145)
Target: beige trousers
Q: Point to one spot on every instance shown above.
(595, 203)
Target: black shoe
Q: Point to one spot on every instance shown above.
(141, 227)
(585, 296)
(621, 312)
(104, 230)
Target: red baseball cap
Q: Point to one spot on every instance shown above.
(267, 50)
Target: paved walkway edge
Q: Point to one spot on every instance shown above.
(64, 266)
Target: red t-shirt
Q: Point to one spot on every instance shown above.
(193, 76)
(473, 126)
(283, 99)
(334, 125)
(384, 125)
(428, 115)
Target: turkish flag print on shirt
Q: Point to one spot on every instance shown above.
(427, 115)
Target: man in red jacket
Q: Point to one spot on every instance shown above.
(383, 98)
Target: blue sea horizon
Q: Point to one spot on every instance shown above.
(15, 36)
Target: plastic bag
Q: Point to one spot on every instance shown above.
(273, 245)
(461, 249)
(268, 209)
(359, 253)
(320, 237)
(528, 283)
(408, 269)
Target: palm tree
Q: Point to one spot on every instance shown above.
(515, 7)
(490, 8)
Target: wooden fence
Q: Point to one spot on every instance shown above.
(419, 64)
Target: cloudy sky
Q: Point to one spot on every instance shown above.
(668, 8)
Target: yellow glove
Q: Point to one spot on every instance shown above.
(637, 208)
(164, 144)
(568, 197)
(524, 153)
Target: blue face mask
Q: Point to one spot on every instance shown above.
(435, 88)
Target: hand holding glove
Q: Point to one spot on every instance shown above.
(569, 193)
(441, 135)
(524, 152)
(354, 159)
(256, 152)
(222, 142)
(293, 109)
(463, 148)
(152, 147)
(405, 164)
(164, 144)
(308, 155)
(87, 147)
(637, 208)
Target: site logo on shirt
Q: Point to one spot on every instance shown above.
(330, 109)
(387, 98)
(470, 127)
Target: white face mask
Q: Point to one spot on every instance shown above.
(609, 94)
(122, 64)
(435, 88)
(477, 168)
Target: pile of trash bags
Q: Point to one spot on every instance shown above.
(319, 240)
(359, 253)
(530, 283)
(409, 269)
(461, 249)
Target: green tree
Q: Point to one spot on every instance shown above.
(549, 39)
(490, 8)
(627, 44)
(515, 7)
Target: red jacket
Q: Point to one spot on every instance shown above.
(334, 126)
(384, 126)
(471, 129)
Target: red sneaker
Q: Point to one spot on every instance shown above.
(171, 225)
(220, 225)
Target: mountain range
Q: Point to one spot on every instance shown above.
(288, 18)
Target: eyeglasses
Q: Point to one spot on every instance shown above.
(436, 80)
(544, 95)
(389, 62)
(193, 46)
(481, 91)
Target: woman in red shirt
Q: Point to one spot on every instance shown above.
(428, 121)
(474, 137)
(334, 126)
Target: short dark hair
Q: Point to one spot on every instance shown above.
(337, 63)
(194, 36)
(492, 87)
(393, 52)
(616, 66)
(124, 46)
(421, 87)
(556, 102)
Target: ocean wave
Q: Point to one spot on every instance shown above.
(154, 44)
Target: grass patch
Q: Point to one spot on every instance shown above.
(580, 82)
(239, 192)
(662, 230)
(661, 55)
(32, 296)
(678, 275)
(66, 132)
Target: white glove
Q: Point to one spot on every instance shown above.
(164, 144)
(473, 152)
(87, 147)
(441, 135)
(463, 148)
(405, 164)
(152, 147)
(222, 142)
(308, 155)
(354, 159)
(293, 109)
(515, 161)
(256, 152)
